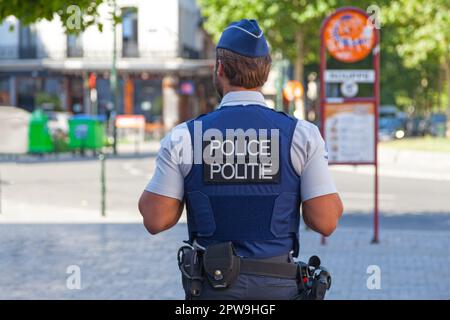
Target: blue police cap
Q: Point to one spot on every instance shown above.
(244, 37)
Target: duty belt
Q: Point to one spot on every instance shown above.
(260, 267)
(221, 266)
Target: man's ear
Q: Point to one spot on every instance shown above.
(220, 72)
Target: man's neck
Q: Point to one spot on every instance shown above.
(234, 89)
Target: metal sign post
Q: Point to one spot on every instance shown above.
(1, 192)
(349, 119)
(102, 184)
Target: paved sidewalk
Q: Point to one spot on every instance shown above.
(122, 261)
(407, 164)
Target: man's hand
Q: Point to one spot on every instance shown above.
(322, 213)
(159, 212)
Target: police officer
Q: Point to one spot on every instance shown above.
(243, 171)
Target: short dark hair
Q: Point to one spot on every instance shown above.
(242, 71)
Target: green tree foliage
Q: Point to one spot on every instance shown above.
(291, 26)
(421, 29)
(70, 12)
(418, 32)
(414, 39)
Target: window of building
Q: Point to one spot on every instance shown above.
(148, 99)
(26, 91)
(130, 32)
(105, 96)
(27, 41)
(74, 45)
(189, 23)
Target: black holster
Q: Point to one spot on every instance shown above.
(221, 265)
(190, 263)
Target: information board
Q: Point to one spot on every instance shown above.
(349, 132)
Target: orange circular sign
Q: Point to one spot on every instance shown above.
(349, 36)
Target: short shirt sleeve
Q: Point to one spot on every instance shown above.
(173, 162)
(310, 160)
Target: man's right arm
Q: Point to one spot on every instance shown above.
(161, 204)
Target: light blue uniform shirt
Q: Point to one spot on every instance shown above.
(308, 155)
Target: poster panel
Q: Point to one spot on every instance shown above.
(350, 132)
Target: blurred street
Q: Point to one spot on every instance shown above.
(122, 261)
(116, 254)
(67, 188)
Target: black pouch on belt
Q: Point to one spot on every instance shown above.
(221, 265)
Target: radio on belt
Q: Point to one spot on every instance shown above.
(241, 157)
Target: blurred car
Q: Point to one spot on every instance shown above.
(388, 111)
(437, 124)
(416, 126)
(391, 124)
(391, 128)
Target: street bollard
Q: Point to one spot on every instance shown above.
(103, 183)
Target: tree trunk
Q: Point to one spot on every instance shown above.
(439, 90)
(299, 72)
(447, 80)
(299, 41)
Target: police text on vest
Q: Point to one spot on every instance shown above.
(246, 156)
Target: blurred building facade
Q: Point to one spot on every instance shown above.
(164, 63)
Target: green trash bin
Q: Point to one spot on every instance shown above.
(40, 140)
(86, 132)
